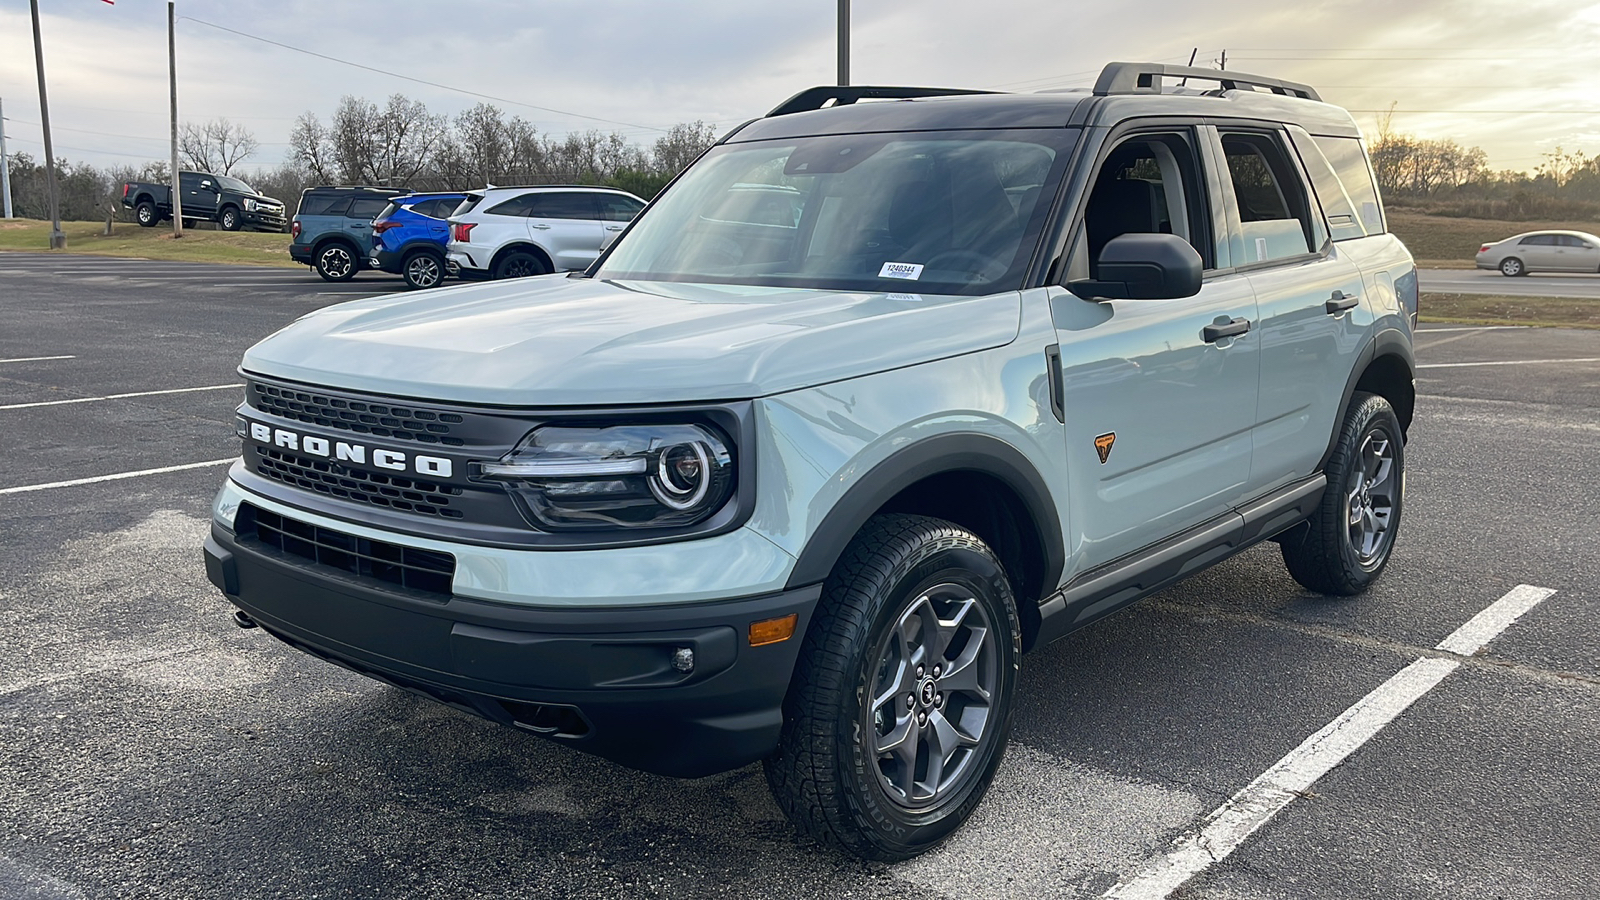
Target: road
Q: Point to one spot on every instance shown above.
(1486, 281)
(150, 749)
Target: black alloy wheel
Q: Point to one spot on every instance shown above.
(900, 705)
(520, 264)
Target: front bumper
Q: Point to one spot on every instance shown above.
(599, 678)
(261, 218)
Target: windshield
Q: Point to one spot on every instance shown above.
(929, 212)
(229, 183)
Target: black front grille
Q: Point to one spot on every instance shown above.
(405, 423)
(423, 571)
(412, 495)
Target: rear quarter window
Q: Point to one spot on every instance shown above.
(1349, 161)
(367, 207)
(324, 204)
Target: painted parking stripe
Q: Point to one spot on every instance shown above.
(214, 387)
(1227, 827)
(1427, 330)
(35, 358)
(27, 488)
(1509, 362)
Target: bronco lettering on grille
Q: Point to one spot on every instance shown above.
(311, 445)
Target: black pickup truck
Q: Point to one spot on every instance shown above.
(215, 198)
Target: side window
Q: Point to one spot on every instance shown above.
(1574, 242)
(564, 205)
(324, 205)
(616, 208)
(517, 206)
(1349, 161)
(1537, 240)
(1148, 184)
(433, 208)
(367, 207)
(188, 181)
(1341, 209)
(1274, 216)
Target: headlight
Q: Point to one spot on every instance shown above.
(249, 204)
(623, 476)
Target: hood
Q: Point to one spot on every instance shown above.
(559, 341)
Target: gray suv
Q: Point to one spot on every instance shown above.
(871, 401)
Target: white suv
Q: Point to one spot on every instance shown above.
(513, 232)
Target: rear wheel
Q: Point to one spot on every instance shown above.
(1344, 547)
(336, 262)
(1511, 267)
(520, 264)
(145, 213)
(898, 713)
(422, 269)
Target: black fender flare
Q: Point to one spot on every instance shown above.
(954, 452)
(1389, 341)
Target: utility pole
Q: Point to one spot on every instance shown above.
(172, 73)
(844, 42)
(5, 165)
(58, 240)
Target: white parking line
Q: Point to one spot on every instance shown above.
(1426, 330)
(1227, 827)
(1509, 362)
(214, 387)
(35, 358)
(117, 477)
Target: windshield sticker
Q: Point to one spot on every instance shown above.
(908, 271)
(908, 298)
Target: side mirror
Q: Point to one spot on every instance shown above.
(206, 184)
(1144, 267)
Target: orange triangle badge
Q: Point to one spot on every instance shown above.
(1102, 445)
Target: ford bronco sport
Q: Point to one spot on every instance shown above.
(802, 486)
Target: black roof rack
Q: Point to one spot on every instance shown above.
(1145, 78)
(844, 95)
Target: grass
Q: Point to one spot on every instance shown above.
(128, 239)
(1437, 240)
(1489, 309)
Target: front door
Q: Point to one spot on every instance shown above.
(199, 200)
(1159, 406)
(567, 225)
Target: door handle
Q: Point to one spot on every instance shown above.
(1218, 330)
(613, 227)
(1339, 302)
(540, 227)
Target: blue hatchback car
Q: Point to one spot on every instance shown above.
(409, 237)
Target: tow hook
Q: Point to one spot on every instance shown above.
(242, 620)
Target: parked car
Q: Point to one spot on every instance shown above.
(804, 488)
(332, 230)
(225, 200)
(1542, 251)
(410, 236)
(513, 232)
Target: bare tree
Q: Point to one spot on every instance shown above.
(368, 144)
(217, 146)
(682, 146)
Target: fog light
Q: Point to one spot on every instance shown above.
(683, 659)
(773, 631)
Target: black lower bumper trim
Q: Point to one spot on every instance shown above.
(610, 681)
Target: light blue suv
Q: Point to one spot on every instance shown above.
(871, 401)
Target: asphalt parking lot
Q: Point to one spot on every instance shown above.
(150, 749)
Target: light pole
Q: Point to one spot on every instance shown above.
(844, 42)
(172, 74)
(5, 166)
(58, 241)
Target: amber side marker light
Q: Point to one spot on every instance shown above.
(773, 631)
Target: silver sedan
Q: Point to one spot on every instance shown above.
(1542, 251)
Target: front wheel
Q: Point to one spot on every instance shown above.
(230, 219)
(1345, 545)
(898, 713)
(422, 270)
(336, 262)
(1511, 267)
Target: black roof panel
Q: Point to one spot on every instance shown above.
(956, 113)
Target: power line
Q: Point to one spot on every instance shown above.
(445, 87)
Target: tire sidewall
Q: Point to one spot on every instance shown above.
(895, 828)
(145, 213)
(502, 268)
(322, 254)
(1374, 413)
(405, 269)
(229, 219)
(1512, 267)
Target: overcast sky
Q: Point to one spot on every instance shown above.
(647, 64)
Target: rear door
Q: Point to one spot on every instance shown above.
(358, 221)
(567, 225)
(1308, 295)
(1538, 252)
(198, 199)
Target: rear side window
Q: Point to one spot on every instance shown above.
(367, 207)
(1349, 162)
(615, 208)
(516, 206)
(1344, 220)
(388, 211)
(324, 204)
(1274, 215)
(438, 208)
(1539, 240)
(571, 205)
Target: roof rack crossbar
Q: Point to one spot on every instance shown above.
(1145, 78)
(844, 95)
